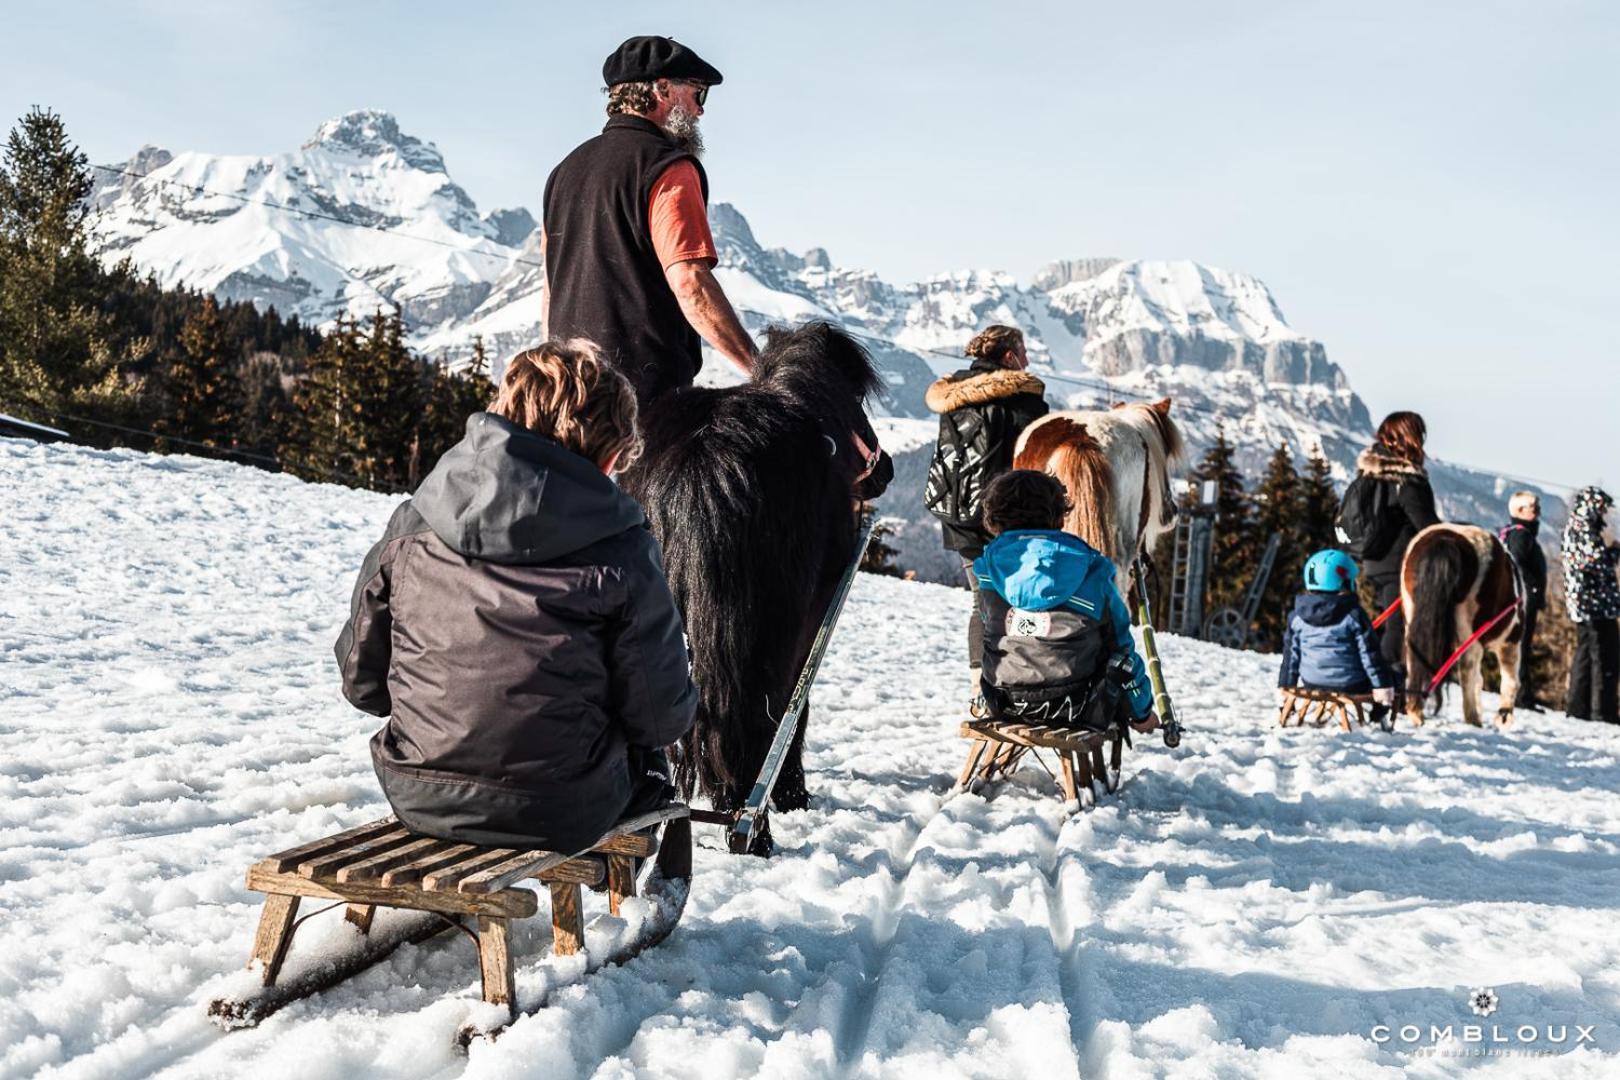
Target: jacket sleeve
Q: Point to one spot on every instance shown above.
(1138, 689)
(1372, 661)
(1288, 675)
(1417, 501)
(364, 648)
(650, 692)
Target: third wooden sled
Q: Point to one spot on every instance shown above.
(1300, 701)
(442, 884)
(997, 746)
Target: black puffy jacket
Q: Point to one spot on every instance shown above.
(515, 627)
(983, 409)
(1412, 500)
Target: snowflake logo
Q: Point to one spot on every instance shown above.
(1483, 1000)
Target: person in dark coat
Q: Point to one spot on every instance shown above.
(1520, 539)
(983, 409)
(625, 230)
(514, 625)
(1593, 594)
(1055, 626)
(1329, 643)
(1396, 458)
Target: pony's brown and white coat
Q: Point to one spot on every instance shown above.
(1116, 466)
(1454, 580)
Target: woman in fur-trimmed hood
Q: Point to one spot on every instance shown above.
(982, 410)
(1396, 458)
(1593, 595)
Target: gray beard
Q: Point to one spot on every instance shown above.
(682, 126)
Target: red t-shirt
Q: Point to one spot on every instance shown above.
(680, 221)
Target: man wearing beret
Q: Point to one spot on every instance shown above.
(629, 257)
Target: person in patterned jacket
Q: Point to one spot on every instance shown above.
(1593, 594)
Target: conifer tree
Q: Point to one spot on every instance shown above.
(201, 388)
(880, 554)
(1232, 562)
(56, 352)
(1277, 504)
(1318, 505)
(389, 397)
(324, 429)
(452, 396)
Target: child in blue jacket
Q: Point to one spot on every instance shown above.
(1329, 643)
(1057, 637)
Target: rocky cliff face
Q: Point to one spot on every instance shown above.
(364, 215)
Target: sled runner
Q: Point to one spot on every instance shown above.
(438, 885)
(998, 745)
(1298, 702)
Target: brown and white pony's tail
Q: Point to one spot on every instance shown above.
(1066, 450)
(1436, 576)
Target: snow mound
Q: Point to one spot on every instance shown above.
(1261, 903)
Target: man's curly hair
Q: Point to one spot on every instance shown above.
(630, 98)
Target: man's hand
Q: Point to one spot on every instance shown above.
(1148, 723)
(706, 308)
(1385, 696)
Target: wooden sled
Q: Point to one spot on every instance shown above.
(1299, 701)
(436, 885)
(997, 746)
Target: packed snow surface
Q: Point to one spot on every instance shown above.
(1260, 903)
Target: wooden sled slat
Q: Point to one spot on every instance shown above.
(286, 860)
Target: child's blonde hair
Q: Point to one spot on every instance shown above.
(566, 391)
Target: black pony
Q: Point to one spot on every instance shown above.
(750, 490)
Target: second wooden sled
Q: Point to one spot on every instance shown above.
(1299, 702)
(997, 746)
(426, 887)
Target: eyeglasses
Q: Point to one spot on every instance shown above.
(700, 91)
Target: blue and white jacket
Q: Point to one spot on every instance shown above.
(1329, 645)
(1052, 617)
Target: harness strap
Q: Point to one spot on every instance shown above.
(871, 455)
(1383, 616)
(1475, 636)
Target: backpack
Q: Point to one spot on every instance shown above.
(955, 490)
(1367, 523)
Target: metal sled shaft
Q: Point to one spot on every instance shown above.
(747, 825)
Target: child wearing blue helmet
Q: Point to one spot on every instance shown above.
(1329, 643)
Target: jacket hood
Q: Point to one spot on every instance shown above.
(975, 387)
(1325, 609)
(1377, 461)
(508, 495)
(1590, 505)
(1038, 569)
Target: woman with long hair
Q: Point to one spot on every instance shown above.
(1396, 458)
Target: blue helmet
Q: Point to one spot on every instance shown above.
(1330, 571)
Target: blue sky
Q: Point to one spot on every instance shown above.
(1428, 188)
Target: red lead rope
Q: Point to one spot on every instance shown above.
(1387, 612)
(1475, 636)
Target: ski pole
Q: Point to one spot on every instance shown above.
(1161, 696)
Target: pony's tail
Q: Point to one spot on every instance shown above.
(1433, 577)
(1066, 450)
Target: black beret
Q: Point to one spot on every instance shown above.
(643, 59)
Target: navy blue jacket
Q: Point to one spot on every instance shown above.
(1329, 645)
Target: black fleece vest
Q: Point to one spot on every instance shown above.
(605, 280)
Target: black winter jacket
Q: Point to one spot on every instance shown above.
(1413, 500)
(1006, 402)
(515, 627)
(1519, 537)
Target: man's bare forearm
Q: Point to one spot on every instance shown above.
(706, 308)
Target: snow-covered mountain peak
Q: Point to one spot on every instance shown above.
(372, 133)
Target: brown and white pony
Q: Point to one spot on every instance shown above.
(1454, 580)
(1116, 466)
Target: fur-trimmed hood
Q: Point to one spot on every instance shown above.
(1376, 461)
(952, 392)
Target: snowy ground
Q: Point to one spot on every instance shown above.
(1257, 904)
